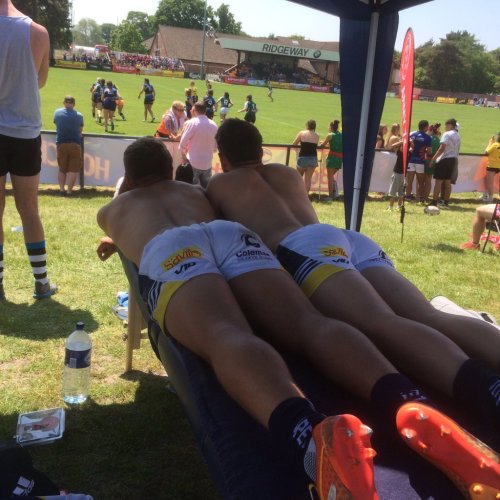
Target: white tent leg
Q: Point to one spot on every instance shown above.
(363, 123)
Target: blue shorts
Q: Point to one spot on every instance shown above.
(178, 255)
(307, 161)
(149, 99)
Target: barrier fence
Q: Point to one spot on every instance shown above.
(103, 165)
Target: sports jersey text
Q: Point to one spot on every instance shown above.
(181, 255)
(333, 252)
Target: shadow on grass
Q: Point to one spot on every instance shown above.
(445, 247)
(144, 449)
(87, 192)
(36, 320)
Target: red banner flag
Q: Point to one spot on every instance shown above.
(406, 90)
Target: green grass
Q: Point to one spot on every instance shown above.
(131, 439)
(278, 121)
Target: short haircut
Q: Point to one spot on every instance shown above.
(70, 99)
(200, 108)
(239, 141)
(422, 124)
(452, 122)
(146, 161)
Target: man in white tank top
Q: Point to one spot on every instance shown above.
(24, 64)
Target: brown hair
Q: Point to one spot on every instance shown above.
(334, 126)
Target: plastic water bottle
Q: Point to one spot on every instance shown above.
(76, 378)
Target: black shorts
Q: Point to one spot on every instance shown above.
(492, 169)
(443, 169)
(22, 157)
(250, 116)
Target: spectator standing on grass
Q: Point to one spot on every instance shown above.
(335, 156)
(250, 109)
(446, 158)
(435, 134)
(493, 168)
(382, 130)
(24, 66)
(149, 99)
(69, 126)
(307, 157)
(198, 144)
(397, 186)
(420, 150)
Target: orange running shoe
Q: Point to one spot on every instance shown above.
(344, 459)
(472, 466)
(470, 246)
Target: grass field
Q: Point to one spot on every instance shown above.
(131, 439)
(278, 121)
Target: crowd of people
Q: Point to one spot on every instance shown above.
(272, 71)
(147, 61)
(432, 155)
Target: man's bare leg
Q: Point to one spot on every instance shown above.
(2, 205)
(425, 354)
(26, 197)
(477, 338)
(204, 316)
(281, 313)
(2, 208)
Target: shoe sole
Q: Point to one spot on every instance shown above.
(471, 465)
(344, 459)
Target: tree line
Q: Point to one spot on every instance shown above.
(457, 63)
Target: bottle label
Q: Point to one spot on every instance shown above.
(77, 359)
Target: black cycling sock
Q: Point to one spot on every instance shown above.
(477, 387)
(391, 392)
(291, 424)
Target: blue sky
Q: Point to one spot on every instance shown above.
(281, 17)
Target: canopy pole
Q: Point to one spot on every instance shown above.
(363, 123)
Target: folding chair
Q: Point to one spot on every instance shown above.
(493, 224)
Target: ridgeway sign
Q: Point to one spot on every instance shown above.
(298, 51)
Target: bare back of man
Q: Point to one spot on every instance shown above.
(163, 205)
(272, 201)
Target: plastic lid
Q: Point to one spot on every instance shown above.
(80, 325)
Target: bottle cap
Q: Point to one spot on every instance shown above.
(80, 325)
